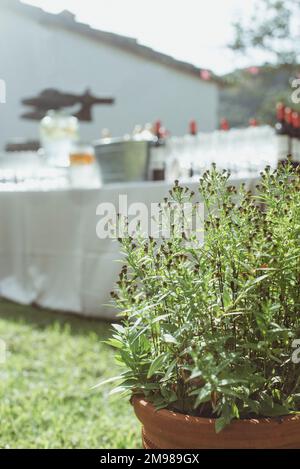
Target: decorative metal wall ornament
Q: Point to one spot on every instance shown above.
(56, 100)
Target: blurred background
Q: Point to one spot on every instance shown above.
(109, 98)
(174, 62)
(102, 99)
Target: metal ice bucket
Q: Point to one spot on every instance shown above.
(122, 160)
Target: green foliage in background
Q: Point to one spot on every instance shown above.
(246, 95)
(273, 28)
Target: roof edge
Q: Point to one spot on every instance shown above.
(67, 20)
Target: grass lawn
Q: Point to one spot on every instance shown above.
(45, 398)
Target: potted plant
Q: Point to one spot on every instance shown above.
(209, 330)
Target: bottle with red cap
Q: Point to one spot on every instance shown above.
(283, 128)
(157, 128)
(253, 122)
(157, 164)
(193, 131)
(224, 124)
(294, 121)
(280, 126)
(296, 136)
(159, 132)
(288, 117)
(193, 127)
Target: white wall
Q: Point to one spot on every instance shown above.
(34, 57)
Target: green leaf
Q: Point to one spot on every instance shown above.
(127, 358)
(119, 390)
(115, 343)
(226, 299)
(110, 380)
(137, 334)
(274, 410)
(120, 329)
(204, 395)
(169, 339)
(169, 372)
(220, 424)
(156, 365)
(229, 411)
(160, 318)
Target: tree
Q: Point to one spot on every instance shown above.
(273, 28)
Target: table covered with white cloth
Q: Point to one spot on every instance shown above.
(50, 254)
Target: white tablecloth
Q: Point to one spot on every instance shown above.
(49, 251)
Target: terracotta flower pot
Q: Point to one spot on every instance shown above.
(169, 430)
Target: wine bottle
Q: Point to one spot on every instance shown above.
(280, 126)
(224, 125)
(296, 137)
(157, 153)
(253, 122)
(283, 130)
(193, 127)
(288, 117)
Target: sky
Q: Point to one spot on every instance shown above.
(196, 31)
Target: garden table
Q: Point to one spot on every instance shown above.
(50, 254)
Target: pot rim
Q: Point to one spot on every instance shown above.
(141, 401)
